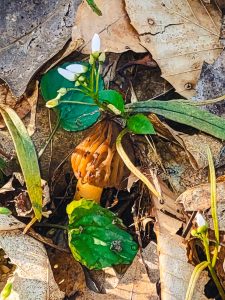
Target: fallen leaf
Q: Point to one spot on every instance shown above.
(194, 145)
(116, 33)
(136, 283)
(33, 278)
(33, 33)
(68, 273)
(180, 35)
(198, 198)
(21, 106)
(211, 84)
(175, 272)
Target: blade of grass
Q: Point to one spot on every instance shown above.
(27, 157)
(213, 204)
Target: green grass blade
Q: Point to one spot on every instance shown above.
(182, 113)
(94, 7)
(27, 157)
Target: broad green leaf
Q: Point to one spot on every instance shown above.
(182, 113)
(112, 97)
(140, 124)
(94, 7)
(73, 117)
(5, 211)
(96, 237)
(27, 157)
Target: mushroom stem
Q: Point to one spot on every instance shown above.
(88, 191)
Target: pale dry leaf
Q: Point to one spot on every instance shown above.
(175, 272)
(198, 198)
(116, 33)
(32, 100)
(135, 284)
(211, 84)
(130, 181)
(180, 35)
(21, 106)
(33, 278)
(194, 145)
(32, 32)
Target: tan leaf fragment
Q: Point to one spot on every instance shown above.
(21, 106)
(180, 35)
(175, 272)
(135, 284)
(194, 145)
(33, 278)
(117, 35)
(198, 198)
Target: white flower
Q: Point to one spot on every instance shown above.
(67, 74)
(96, 43)
(200, 220)
(77, 68)
(72, 71)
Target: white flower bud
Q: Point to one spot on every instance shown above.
(95, 44)
(200, 220)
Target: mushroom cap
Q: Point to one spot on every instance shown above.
(96, 161)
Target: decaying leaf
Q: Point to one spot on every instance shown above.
(211, 83)
(194, 145)
(175, 272)
(32, 32)
(198, 198)
(117, 35)
(180, 35)
(21, 106)
(33, 278)
(136, 283)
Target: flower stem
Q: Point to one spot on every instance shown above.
(49, 138)
(78, 102)
(216, 281)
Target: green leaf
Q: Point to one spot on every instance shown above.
(182, 113)
(94, 7)
(73, 117)
(96, 237)
(6, 291)
(27, 157)
(140, 124)
(5, 211)
(112, 97)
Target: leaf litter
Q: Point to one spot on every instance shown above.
(174, 160)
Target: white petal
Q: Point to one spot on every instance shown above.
(200, 220)
(77, 68)
(96, 43)
(67, 74)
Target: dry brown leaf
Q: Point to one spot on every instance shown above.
(21, 106)
(68, 273)
(175, 272)
(198, 198)
(33, 278)
(117, 35)
(180, 35)
(135, 284)
(194, 145)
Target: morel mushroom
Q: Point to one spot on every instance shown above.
(96, 163)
